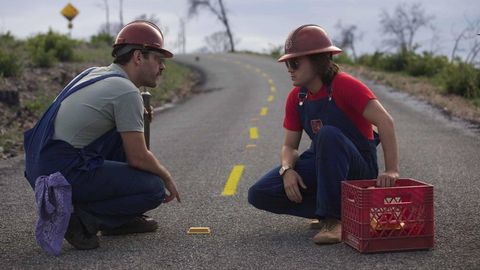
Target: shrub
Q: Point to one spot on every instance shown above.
(374, 61)
(462, 79)
(343, 58)
(275, 51)
(7, 40)
(10, 64)
(46, 49)
(426, 64)
(101, 39)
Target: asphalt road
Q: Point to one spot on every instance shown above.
(204, 137)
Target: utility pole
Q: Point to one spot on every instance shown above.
(121, 12)
(181, 41)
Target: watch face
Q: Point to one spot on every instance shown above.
(283, 169)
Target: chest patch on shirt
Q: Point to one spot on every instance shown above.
(316, 125)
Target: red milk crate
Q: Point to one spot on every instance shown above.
(387, 219)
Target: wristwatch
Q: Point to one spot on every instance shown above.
(284, 169)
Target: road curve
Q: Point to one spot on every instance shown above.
(217, 143)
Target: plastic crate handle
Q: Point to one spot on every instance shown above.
(392, 201)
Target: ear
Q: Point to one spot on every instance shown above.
(137, 57)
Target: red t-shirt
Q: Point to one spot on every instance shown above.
(350, 95)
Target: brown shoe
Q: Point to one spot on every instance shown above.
(78, 236)
(141, 224)
(330, 234)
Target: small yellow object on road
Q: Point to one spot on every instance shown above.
(199, 230)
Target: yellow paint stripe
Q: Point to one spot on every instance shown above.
(258, 70)
(265, 75)
(253, 133)
(273, 89)
(232, 182)
(250, 146)
(270, 81)
(264, 111)
(270, 98)
(237, 62)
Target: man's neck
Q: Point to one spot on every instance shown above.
(315, 85)
(129, 70)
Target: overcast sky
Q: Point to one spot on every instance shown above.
(257, 24)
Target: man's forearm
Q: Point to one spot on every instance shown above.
(151, 164)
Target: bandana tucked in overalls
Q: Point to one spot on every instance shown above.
(106, 192)
(338, 152)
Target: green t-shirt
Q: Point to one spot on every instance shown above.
(89, 113)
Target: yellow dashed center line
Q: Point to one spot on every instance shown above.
(270, 81)
(250, 146)
(273, 89)
(270, 98)
(264, 111)
(232, 182)
(253, 133)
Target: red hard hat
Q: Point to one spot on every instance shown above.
(308, 39)
(143, 34)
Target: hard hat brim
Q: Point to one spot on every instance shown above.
(331, 49)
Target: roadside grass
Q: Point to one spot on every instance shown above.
(424, 88)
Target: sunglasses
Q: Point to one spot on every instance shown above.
(292, 64)
(160, 58)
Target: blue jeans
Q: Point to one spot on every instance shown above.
(332, 158)
(114, 193)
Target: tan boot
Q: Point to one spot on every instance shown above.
(330, 234)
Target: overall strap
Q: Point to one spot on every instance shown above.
(302, 95)
(73, 82)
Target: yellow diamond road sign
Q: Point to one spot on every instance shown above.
(69, 12)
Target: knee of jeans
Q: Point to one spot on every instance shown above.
(328, 132)
(157, 194)
(253, 195)
(257, 198)
(327, 135)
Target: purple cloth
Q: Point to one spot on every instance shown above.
(53, 195)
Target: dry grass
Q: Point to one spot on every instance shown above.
(423, 89)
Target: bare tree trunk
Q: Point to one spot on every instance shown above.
(473, 53)
(121, 12)
(225, 22)
(457, 42)
(107, 14)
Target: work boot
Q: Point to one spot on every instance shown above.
(78, 236)
(331, 233)
(141, 224)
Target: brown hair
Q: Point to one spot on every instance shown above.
(325, 67)
(123, 59)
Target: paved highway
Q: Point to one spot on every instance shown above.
(217, 143)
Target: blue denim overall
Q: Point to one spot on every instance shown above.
(338, 152)
(106, 192)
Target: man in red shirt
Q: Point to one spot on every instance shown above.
(337, 112)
